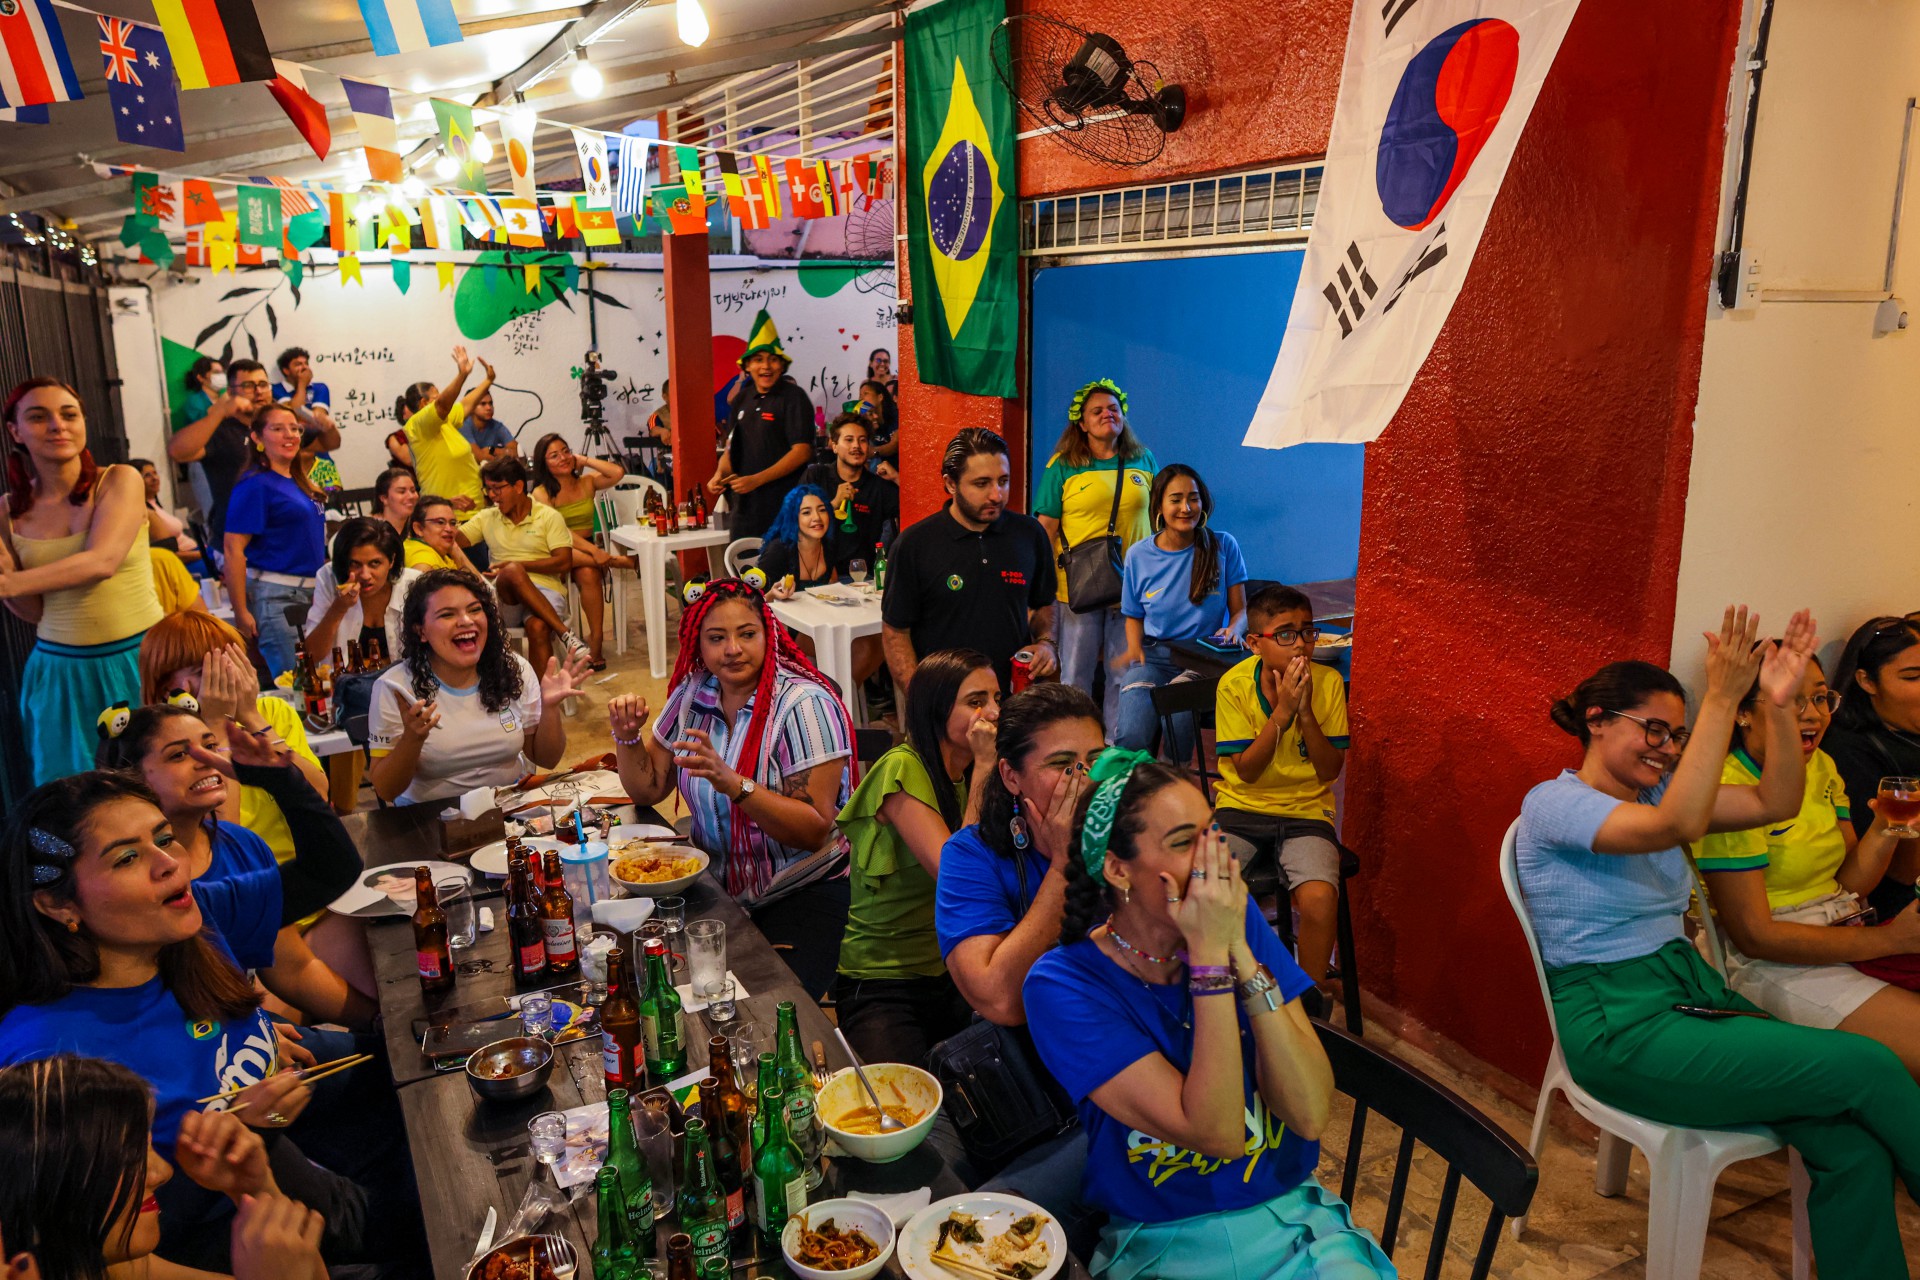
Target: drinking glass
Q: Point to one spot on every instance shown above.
(721, 1005)
(548, 1130)
(746, 1041)
(1899, 804)
(653, 1128)
(672, 914)
(536, 1014)
(707, 955)
(463, 922)
(857, 570)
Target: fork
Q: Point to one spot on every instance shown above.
(560, 1255)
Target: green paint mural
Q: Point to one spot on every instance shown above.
(178, 359)
(825, 281)
(493, 292)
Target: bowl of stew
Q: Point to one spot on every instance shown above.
(910, 1095)
(510, 1069)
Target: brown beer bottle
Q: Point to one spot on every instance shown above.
(430, 935)
(353, 657)
(739, 1117)
(726, 1153)
(556, 917)
(526, 934)
(319, 692)
(620, 1028)
(680, 1256)
(375, 651)
(339, 665)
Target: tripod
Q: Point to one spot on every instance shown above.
(597, 435)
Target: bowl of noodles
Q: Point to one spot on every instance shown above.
(837, 1240)
(652, 869)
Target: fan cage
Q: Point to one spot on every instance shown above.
(1253, 206)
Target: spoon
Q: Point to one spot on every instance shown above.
(887, 1123)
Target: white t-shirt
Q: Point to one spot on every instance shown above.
(470, 747)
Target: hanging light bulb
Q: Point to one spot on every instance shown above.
(586, 80)
(413, 188)
(482, 146)
(692, 21)
(446, 168)
(367, 207)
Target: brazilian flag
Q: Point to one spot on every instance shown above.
(961, 200)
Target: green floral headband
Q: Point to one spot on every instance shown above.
(1110, 773)
(1107, 385)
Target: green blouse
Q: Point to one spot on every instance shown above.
(890, 920)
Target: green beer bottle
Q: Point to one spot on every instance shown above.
(796, 1079)
(613, 1255)
(663, 1029)
(636, 1183)
(701, 1203)
(779, 1175)
(768, 1078)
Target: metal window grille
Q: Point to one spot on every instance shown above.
(1264, 206)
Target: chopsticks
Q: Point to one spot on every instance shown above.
(319, 1071)
(953, 1263)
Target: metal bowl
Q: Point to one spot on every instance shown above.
(531, 1059)
(556, 1251)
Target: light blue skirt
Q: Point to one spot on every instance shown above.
(1306, 1233)
(64, 689)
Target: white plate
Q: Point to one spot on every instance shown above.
(641, 831)
(595, 782)
(368, 900)
(995, 1211)
(492, 859)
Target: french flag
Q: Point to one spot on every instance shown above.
(34, 65)
(408, 26)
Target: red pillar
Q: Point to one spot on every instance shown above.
(689, 363)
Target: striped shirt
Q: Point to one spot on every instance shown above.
(805, 728)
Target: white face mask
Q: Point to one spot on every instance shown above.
(217, 383)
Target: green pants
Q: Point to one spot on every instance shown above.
(1843, 1101)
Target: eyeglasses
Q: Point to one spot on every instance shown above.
(1828, 702)
(1285, 636)
(253, 386)
(1659, 732)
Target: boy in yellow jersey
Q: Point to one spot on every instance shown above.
(1281, 722)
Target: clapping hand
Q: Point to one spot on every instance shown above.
(221, 1154)
(1732, 659)
(1783, 664)
(561, 683)
(696, 754)
(1286, 690)
(275, 1238)
(627, 716)
(417, 719)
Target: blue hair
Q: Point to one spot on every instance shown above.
(786, 524)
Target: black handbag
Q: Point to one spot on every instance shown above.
(1093, 568)
(998, 1095)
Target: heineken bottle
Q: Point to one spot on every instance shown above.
(613, 1254)
(796, 1080)
(779, 1174)
(663, 1028)
(768, 1078)
(701, 1203)
(636, 1183)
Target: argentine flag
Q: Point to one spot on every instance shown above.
(408, 26)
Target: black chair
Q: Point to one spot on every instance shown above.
(1193, 699)
(1428, 1112)
(870, 744)
(351, 502)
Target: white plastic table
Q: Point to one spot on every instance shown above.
(833, 628)
(650, 552)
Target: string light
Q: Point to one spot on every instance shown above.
(446, 168)
(586, 80)
(482, 146)
(413, 188)
(692, 22)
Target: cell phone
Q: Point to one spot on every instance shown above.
(1708, 1011)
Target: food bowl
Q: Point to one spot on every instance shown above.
(846, 1215)
(510, 1259)
(658, 888)
(510, 1069)
(898, 1085)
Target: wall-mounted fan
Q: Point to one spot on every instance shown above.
(1083, 89)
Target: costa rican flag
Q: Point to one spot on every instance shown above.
(34, 64)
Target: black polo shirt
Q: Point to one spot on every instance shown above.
(876, 500)
(764, 428)
(952, 588)
(224, 460)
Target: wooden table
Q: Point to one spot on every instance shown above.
(471, 1155)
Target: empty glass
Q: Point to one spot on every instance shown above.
(548, 1130)
(653, 1128)
(707, 955)
(536, 1014)
(721, 1005)
(463, 924)
(671, 912)
(746, 1041)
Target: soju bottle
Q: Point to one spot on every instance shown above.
(768, 1078)
(613, 1255)
(636, 1183)
(796, 1080)
(663, 1028)
(779, 1175)
(701, 1204)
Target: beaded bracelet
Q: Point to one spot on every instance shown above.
(634, 741)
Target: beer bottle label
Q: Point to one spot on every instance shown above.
(760, 1198)
(430, 966)
(737, 1208)
(796, 1194)
(613, 1061)
(650, 1036)
(533, 956)
(560, 941)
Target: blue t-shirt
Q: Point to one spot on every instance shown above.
(978, 891)
(1154, 588)
(1587, 907)
(241, 889)
(488, 433)
(144, 1029)
(266, 501)
(1091, 1020)
(317, 393)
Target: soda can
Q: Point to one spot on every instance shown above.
(1022, 669)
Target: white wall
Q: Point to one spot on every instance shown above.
(1805, 480)
(137, 352)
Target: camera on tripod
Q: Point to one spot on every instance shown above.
(593, 389)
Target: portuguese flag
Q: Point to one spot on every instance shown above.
(962, 238)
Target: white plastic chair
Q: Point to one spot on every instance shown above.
(629, 498)
(742, 554)
(1685, 1164)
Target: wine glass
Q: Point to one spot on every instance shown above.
(857, 570)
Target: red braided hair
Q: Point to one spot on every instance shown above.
(20, 475)
(783, 654)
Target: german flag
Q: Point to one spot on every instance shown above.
(214, 42)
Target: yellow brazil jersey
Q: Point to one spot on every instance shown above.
(258, 812)
(1801, 857)
(442, 456)
(1080, 498)
(1288, 787)
(423, 557)
(173, 586)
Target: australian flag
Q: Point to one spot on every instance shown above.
(146, 101)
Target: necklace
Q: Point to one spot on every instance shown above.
(1178, 957)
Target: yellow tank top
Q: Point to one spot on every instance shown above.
(124, 605)
(578, 515)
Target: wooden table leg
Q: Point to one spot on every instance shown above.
(343, 779)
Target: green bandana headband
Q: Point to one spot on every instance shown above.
(1107, 385)
(1110, 773)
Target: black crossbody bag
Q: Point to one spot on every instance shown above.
(1093, 568)
(999, 1096)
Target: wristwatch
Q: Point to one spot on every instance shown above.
(1260, 993)
(747, 788)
